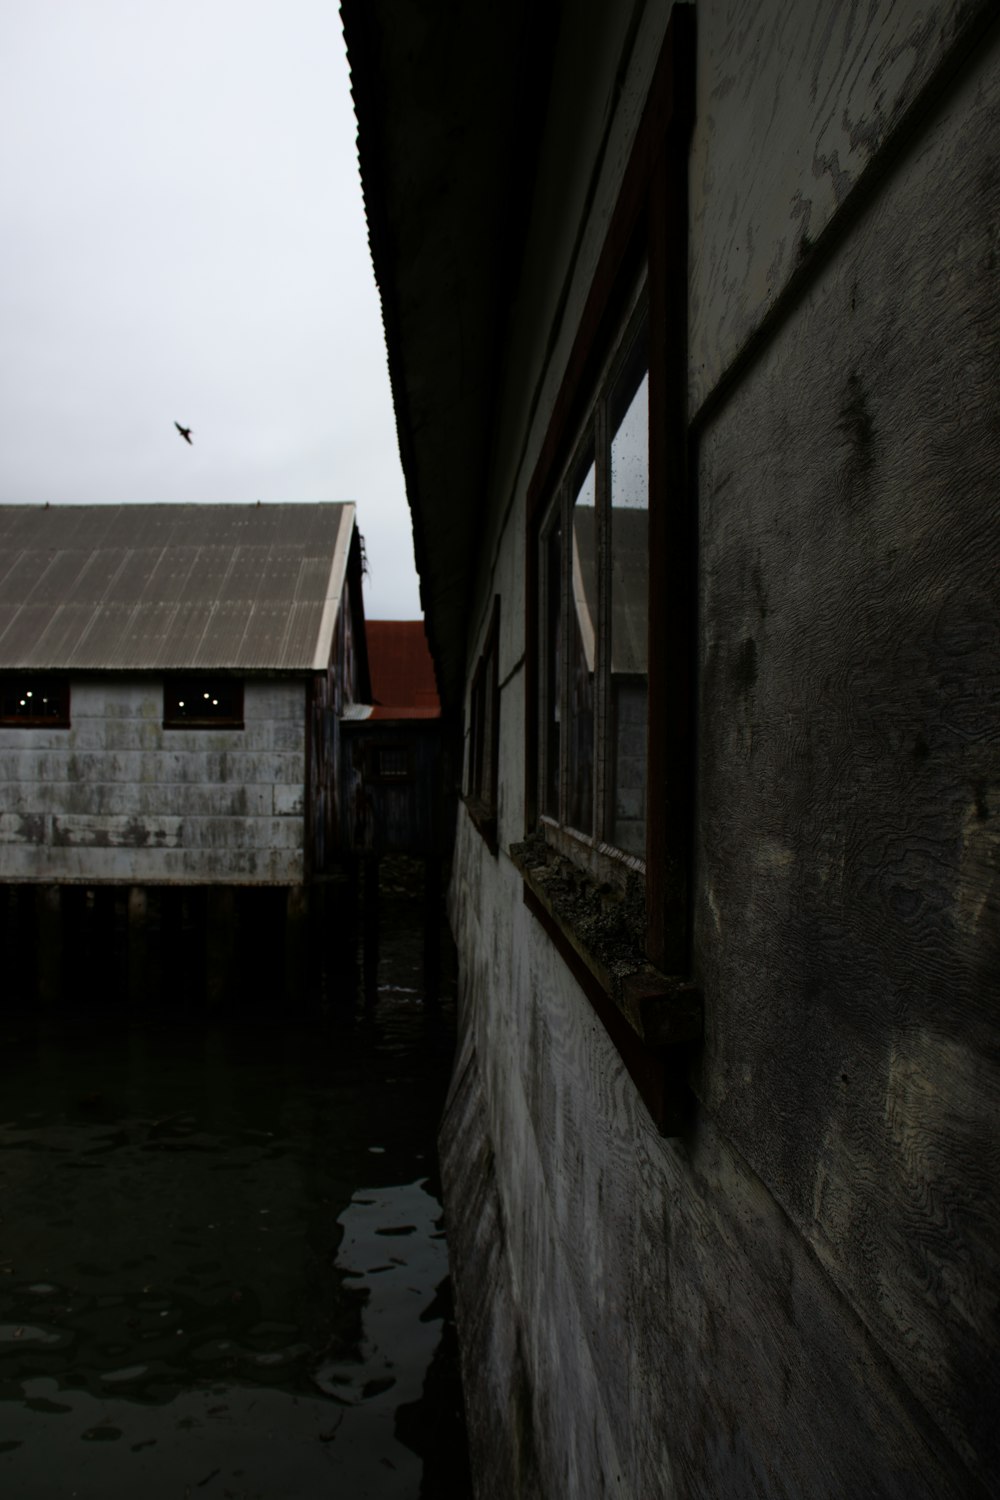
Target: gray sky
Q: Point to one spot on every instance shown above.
(182, 237)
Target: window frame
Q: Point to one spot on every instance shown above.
(54, 685)
(592, 846)
(482, 768)
(189, 685)
(380, 756)
(657, 1006)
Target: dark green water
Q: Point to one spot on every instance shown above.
(223, 1269)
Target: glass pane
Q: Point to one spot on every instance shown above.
(202, 701)
(629, 604)
(486, 779)
(34, 700)
(551, 674)
(584, 617)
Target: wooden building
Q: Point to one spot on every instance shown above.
(393, 783)
(693, 317)
(171, 679)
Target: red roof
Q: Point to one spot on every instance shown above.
(402, 672)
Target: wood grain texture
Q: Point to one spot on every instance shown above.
(116, 797)
(661, 1315)
(849, 901)
(795, 104)
(798, 1298)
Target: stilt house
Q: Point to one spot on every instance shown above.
(693, 322)
(171, 678)
(394, 782)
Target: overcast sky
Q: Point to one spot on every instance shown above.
(182, 238)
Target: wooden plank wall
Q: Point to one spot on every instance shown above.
(849, 923)
(117, 798)
(797, 1299)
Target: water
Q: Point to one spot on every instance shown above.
(223, 1269)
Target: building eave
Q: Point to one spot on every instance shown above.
(448, 110)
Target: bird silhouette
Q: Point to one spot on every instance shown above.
(185, 432)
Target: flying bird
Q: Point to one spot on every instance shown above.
(185, 432)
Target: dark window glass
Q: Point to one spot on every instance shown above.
(394, 763)
(484, 704)
(551, 669)
(34, 701)
(203, 703)
(582, 664)
(593, 614)
(629, 580)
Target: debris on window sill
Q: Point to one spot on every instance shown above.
(605, 929)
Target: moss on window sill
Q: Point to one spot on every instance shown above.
(604, 928)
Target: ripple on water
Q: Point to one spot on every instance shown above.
(25, 1333)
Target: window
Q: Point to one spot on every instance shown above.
(611, 592)
(594, 607)
(484, 734)
(203, 703)
(34, 702)
(392, 763)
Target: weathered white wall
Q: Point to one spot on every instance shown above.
(118, 798)
(794, 1300)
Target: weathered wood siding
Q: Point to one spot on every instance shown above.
(343, 682)
(797, 1299)
(395, 813)
(850, 901)
(117, 798)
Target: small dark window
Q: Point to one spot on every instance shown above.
(33, 702)
(203, 703)
(393, 763)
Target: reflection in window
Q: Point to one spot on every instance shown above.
(594, 615)
(552, 675)
(484, 732)
(581, 686)
(629, 604)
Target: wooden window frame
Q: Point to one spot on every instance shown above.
(28, 685)
(657, 1007)
(376, 769)
(592, 846)
(177, 688)
(483, 771)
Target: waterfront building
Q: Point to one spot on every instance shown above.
(693, 319)
(172, 679)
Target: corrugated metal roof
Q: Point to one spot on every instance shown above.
(401, 668)
(171, 587)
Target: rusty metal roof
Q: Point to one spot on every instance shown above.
(130, 587)
(402, 672)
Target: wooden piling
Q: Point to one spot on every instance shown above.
(138, 944)
(433, 915)
(220, 944)
(48, 943)
(370, 920)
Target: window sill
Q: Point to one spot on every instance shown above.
(652, 1018)
(34, 724)
(484, 819)
(204, 724)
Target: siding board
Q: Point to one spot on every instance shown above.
(851, 667)
(117, 797)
